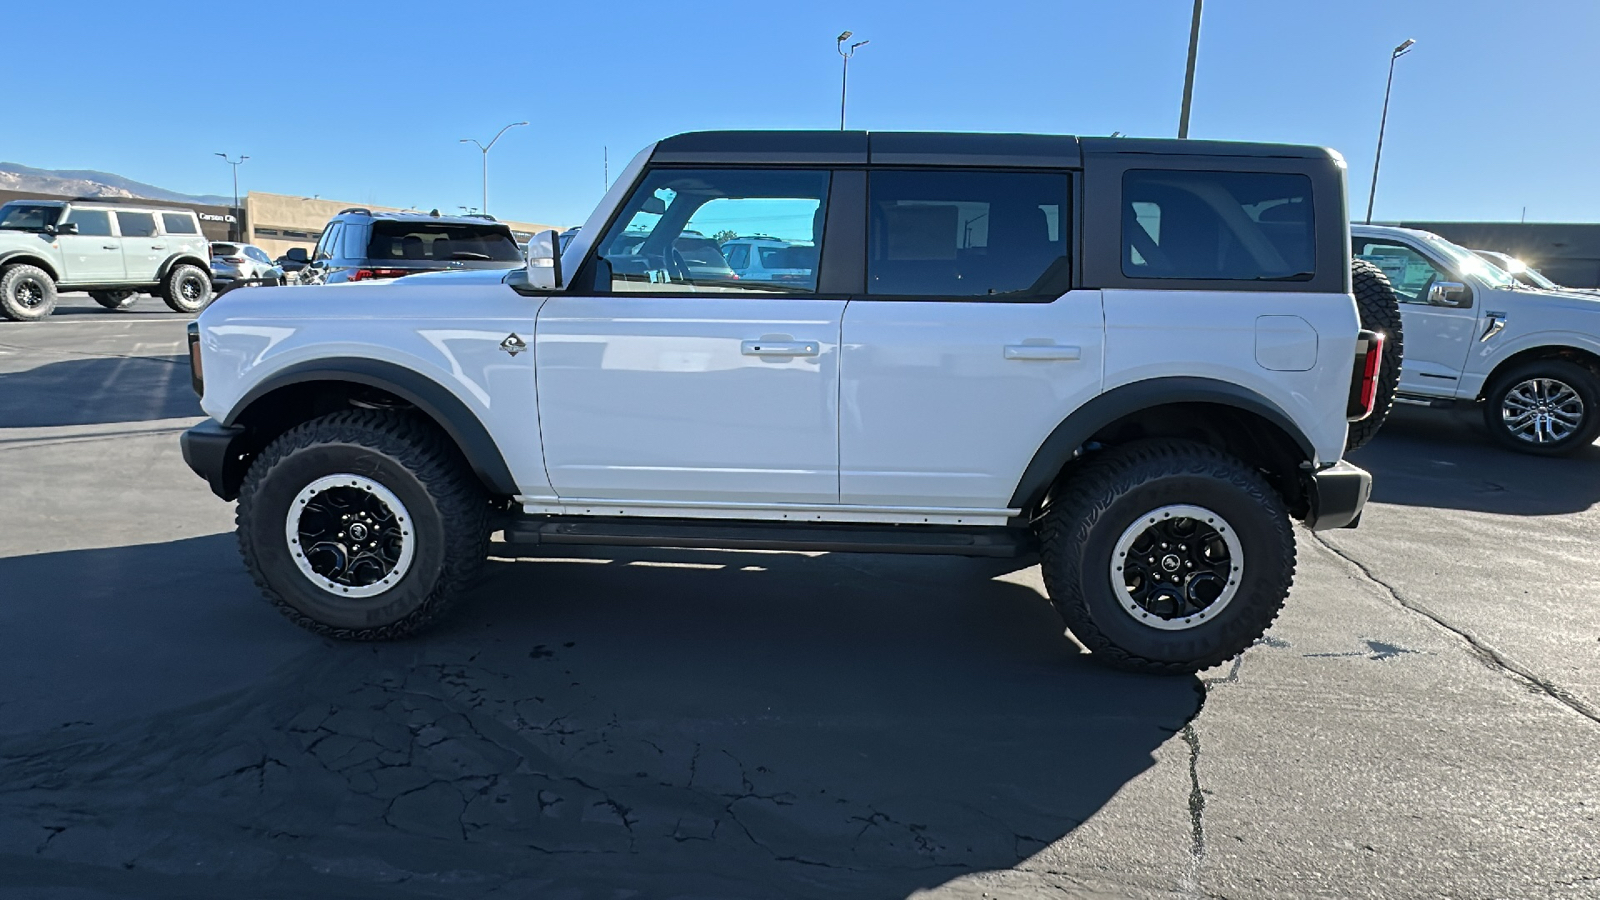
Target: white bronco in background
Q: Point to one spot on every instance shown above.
(1475, 335)
(1135, 358)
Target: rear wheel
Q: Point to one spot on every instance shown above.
(27, 293)
(363, 525)
(114, 299)
(1167, 556)
(1547, 407)
(186, 290)
(1379, 310)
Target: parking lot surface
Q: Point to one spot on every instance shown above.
(1422, 721)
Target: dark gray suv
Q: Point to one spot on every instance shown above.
(359, 244)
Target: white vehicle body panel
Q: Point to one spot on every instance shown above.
(248, 336)
(682, 398)
(1447, 355)
(1215, 335)
(945, 402)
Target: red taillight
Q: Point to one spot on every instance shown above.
(1364, 384)
(233, 259)
(364, 274)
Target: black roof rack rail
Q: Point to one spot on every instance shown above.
(482, 216)
(355, 209)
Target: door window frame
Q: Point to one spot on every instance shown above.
(1441, 268)
(154, 222)
(1069, 222)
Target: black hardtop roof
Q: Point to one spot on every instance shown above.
(941, 148)
(409, 216)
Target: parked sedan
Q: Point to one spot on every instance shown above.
(235, 262)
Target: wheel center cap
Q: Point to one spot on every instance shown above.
(1171, 562)
(358, 531)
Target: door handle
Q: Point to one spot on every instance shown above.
(779, 348)
(1042, 351)
(108, 246)
(158, 246)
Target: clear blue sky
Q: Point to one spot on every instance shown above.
(1495, 109)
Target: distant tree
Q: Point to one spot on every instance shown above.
(725, 235)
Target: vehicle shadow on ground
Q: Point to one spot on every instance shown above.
(659, 723)
(1445, 459)
(98, 390)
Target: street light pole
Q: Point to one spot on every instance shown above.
(844, 80)
(1188, 75)
(486, 150)
(1372, 193)
(235, 163)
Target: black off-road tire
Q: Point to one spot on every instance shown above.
(1583, 380)
(27, 293)
(446, 505)
(1111, 492)
(1379, 309)
(114, 299)
(187, 289)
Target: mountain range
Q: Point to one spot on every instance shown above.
(89, 183)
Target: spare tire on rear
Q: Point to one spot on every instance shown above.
(1379, 309)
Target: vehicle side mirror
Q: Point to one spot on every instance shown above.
(66, 228)
(544, 261)
(1449, 293)
(297, 254)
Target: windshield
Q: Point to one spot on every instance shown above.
(28, 216)
(443, 242)
(1466, 262)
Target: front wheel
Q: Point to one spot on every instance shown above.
(186, 290)
(363, 525)
(1547, 407)
(27, 293)
(1166, 556)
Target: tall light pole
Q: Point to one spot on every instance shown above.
(844, 80)
(1372, 194)
(1188, 75)
(486, 150)
(236, 223)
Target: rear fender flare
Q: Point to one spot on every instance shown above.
(1064, 442)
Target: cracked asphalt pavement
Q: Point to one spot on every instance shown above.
(1420, 722)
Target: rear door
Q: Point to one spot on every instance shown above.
(94, 254)
(675, 383)
(143, 249)
(969, 345)
(182, 232)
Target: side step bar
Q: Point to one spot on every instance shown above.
(744, 535)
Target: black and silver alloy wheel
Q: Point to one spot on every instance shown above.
(27, 293)
(350, 535)
(1177, 567)
(1542, 411)
(30, 293)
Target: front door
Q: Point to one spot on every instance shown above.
(94, 254)
(143, 250)
(676, 381)
(1437, 337)
(968, 347)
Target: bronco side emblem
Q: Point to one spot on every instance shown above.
(513, 344)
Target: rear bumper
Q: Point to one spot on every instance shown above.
(215, 453)
(1338, 494)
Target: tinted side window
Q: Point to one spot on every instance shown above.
(329, 245)
(966, 234)
(1239, 226)
(178, 223)
(258, 255)
(659, 243)
(136, 224)
(738, 255)
(91, 221)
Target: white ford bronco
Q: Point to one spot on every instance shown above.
(1530, 359)
(1135, 358)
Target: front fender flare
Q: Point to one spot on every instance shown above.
(432, 398)
(1084, 422)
